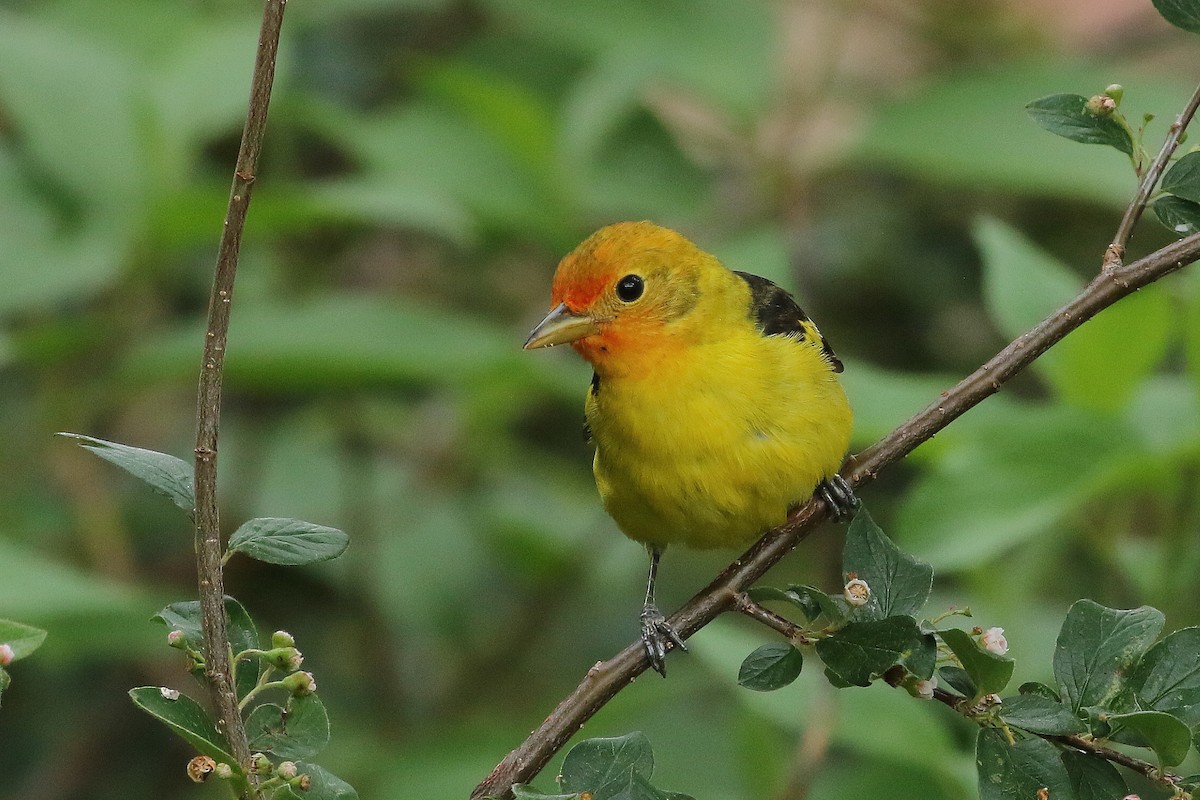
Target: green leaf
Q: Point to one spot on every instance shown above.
(1066, 115)
(959, 680)
(325, 786)
(771, 667)
(1038, 714)
(1166, 735)
(302, 733)
(1168, 676)
(290, 542)
(165, 474)
(862, 651)
(989, 672)
(522, 791)
(900, 583)
(1097, 647)
(1183, 178)
(23, 639)
(185, 616)
(1180, 13)
(1019, 772)
(1093, 778)
(187, 718)
(1039, 690)
(607, 766)
(1177, 215)
(816, 604)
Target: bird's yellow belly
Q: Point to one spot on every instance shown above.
(712, 466)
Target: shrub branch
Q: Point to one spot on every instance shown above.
(604, 680)
(208, 396)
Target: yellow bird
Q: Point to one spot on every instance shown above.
(714, 405)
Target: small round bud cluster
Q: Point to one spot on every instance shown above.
(287, 770)
(857, 592)
(200, 767)
(993, 641)
(287, 659)
(300, 683)
(223, 771)
(177, 640)
(6, 655)
(260, 764)
(282, 639)
(1101, 106)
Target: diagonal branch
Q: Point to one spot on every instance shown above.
(603, 681)
(208, 396)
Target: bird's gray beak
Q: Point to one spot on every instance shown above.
(561, 326)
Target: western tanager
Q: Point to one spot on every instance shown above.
(714, 405)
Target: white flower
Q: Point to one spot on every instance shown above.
(924, 689)
(993, 641)
(857, 592)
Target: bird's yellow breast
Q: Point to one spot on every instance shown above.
(708, 443)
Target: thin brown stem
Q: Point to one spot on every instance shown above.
(607, 678)
(782, 625)
(1114, 256)
(208, 397)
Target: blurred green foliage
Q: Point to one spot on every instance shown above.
(427, 163)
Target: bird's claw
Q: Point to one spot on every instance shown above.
(658, 636)
(839, 497)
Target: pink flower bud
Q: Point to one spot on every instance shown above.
(177, 640)
(6, 655)
(993, 641)
(287, 770)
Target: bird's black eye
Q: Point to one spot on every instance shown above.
(630, 288)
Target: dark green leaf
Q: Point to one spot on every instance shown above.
(816, 604)
(23, 639)
(607, 766)
(1168, 676)
(1093, 778)
(1183, 178)
(1180, 13)
(989, 672)
(1166, 735)
(164, 473)
(5, 679)
(862, 651)
(1019, 772)
(1040, 690)
(1178, 215)
(900, 583)
(921, 661)
(523, 791)
(290, 542)
(186, 717)
(959, 680)
(185, 616)
(1067, 116)
(770, 667)
(1097, 647)
(325, 786)
(1038, 714)
(302, 733)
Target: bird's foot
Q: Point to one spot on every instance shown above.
(839, 498)
(658, 636)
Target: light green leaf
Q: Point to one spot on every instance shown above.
(184, 715)
(290, 542)
(771, 667)
(1067, 115)
(166, 474)
(1019, 772)
(899, 583)
(1093, 778)
(300, 733)
(988, 671)
(862, 651)
(1038, 714)
(1180, 13)
(1183, 177)
(606, 766)
(1097, 647)
(1168, 676)
(1163, 733)
(23, 639)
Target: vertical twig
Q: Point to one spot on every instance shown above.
(1114, 256)
(208, 397)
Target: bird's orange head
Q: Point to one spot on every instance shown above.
(624, 291)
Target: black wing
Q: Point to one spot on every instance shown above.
(776, 313)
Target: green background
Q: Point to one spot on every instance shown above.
(427, 164)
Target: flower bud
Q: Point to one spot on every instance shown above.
(920, 689)
(286, 770)
(177, 640)
(282, 639)
(993, 641)
(223, 771)
(857, 592)
(287, 659)
(260, 764)
(300, 683)
(1101, 106)
(6, 655)
(1116, 91)
(200, 767)
(304, 782)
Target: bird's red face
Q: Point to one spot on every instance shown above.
(619, 289)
